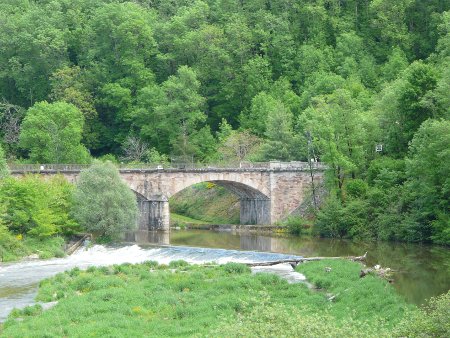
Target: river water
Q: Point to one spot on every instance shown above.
(422, 271)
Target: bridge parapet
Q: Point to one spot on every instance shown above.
(151, 167)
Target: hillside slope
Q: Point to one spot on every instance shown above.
(207, 202)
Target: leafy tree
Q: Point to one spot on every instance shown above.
(336, 126)
(389, 23)
(34, 46)
(51, 133)
(428, 171)
(280, 141)
(181, 110)
(255, 118)
(118, 45)
(396, 63)
(413, 107)
(36, 207)
(68, 85)
(103, 204)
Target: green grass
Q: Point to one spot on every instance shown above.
(367, 297)
(184, 221)
(220, 301)
(207, 202)
(44, 248)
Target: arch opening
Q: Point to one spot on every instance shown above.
(253, 208)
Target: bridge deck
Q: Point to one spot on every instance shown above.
(239, 167)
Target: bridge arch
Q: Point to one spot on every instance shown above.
(277, 189)
(155, 209)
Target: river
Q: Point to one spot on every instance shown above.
(421, 271)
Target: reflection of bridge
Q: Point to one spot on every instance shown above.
(267, 191)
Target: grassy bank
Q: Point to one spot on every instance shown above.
(14, 249)
(218, 301)
(184, 221)
(207, 202)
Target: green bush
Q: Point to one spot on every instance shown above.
(236, 268)
(178, 264)
(431, 321)
(39, 208)
(296, 225)
(356, 188)
(102, 203)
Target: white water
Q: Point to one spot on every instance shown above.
(19, 281)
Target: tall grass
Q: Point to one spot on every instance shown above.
(179, 300)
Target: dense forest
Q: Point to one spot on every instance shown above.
(257, 80)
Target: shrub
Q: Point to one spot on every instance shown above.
(356, 188)
(178, 264)
(431, 321)
(236, 268)
(296, 225)
(103, 203)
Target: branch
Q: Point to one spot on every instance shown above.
(295, 262)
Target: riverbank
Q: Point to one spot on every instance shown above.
(188, 300)
(16, 249)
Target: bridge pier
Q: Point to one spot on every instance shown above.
(255, 211)
(153, 215)
(159, 215)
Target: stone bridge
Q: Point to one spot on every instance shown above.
(268, 192)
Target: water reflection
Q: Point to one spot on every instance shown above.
(422, 271)
(148, 237)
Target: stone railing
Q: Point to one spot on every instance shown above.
(272, 165)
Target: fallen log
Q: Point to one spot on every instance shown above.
(295, 262)
(75, 246)
(385, 273)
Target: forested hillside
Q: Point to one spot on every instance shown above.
(229, 80)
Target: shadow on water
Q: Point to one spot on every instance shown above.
(422, 271)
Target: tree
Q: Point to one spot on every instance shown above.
(51, 133)
(4, 171)
(103, 204)
(181, 110)
(69, 86)
(37, 207)
(428, 185)
(134, 150)
(280, 142)
(10, 118)
(255, 118)
(238, 146)
(335, 123)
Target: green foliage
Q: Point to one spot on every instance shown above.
(344, 220)
(356, 188)
(297, 225)
(102, 203)
(236, 268)
(431, 321)
(4, 170)
(343, 282)
(13, 247)
(51, 132)
(215, 205)
(10, 245)
(36, 207)
(218, 301)
(341, 75)
(428, 184)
